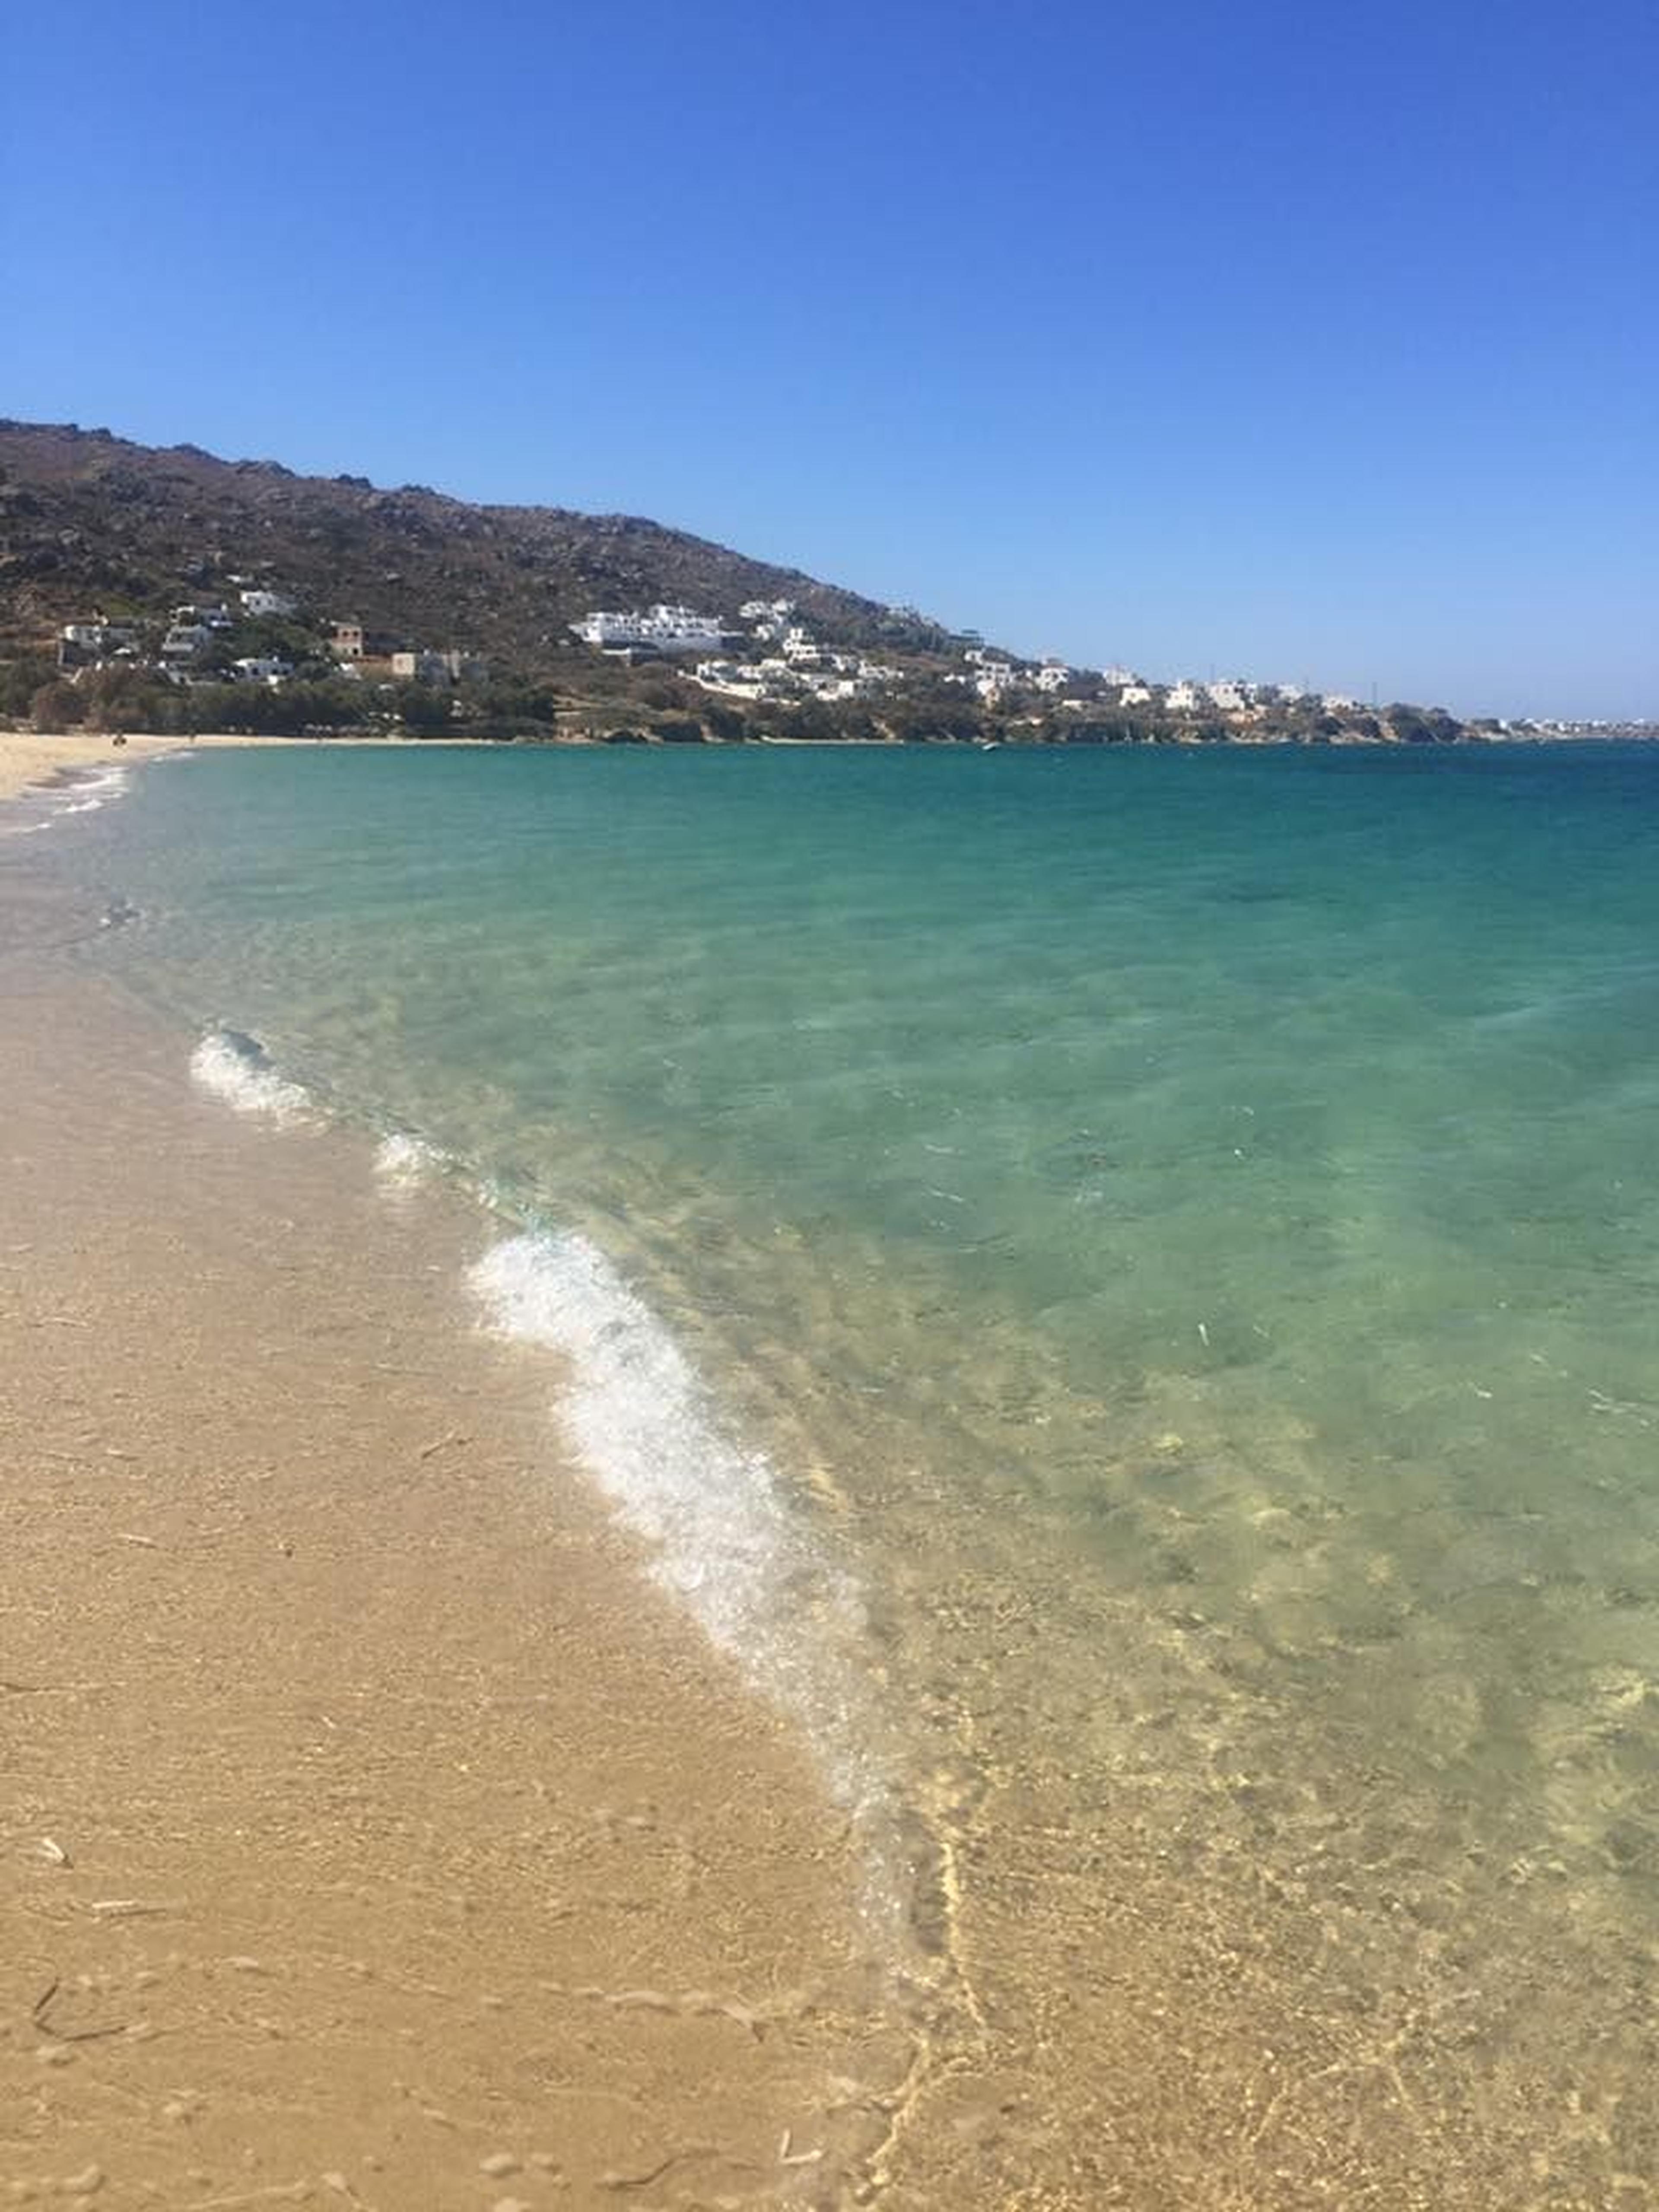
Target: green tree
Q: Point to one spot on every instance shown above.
(423, 708)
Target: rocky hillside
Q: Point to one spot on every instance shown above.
(87, 519)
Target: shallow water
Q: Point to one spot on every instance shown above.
(1124, 1286)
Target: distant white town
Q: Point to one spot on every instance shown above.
(772, 655)
(769, 654)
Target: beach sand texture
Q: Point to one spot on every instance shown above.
(372, 1832)
(29, 758)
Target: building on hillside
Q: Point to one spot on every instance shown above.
(1183, 698)
(262, 602)
(1232, 695)
(660, 629)
(345, 639)
(1135, 693)
(262, 668)
(184, 642)
(1053, 676)
(737, 679)
(92, 644)
(996, 678)
(802, 650)
(420, 665)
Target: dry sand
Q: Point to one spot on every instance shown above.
(27, 757)
(372, 1833)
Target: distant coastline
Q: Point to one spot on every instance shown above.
(167, 591)
(35, 759)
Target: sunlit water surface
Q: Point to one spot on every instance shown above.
(1157, 1259)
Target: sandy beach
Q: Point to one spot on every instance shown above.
(29, 757)
(375, 1833)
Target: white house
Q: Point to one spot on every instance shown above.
(261, 668)
(662, 628)
(1232, 695)
(1135, 694)
(1053, 676)
(734, 678)
(995, 678)
(184, 640)
(262, 602)
(1183, 697)
(78, 642)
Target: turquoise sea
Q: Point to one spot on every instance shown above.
(1124, 1288)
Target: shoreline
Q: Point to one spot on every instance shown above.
(377, 1824)
(34, 761)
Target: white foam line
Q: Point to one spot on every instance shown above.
(85, 795)
(403, 1160)
(88, 794)
(639, 1420)
(239, 1073)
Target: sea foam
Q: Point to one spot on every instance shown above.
(237, 1069)
(81, 794)
(643, 1425)
(403, 1160)
(87, 796)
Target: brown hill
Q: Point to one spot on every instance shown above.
(88, 520)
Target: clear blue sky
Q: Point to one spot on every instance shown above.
(1302, 341)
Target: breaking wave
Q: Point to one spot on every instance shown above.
(642, 1424)
(403, 1160)
(237, 1069)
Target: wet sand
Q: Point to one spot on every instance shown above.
(374, 1833)
(29, 757)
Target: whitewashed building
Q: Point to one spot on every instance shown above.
(660, 629)
(184, 641)
(1232, 695)
(995, 678)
